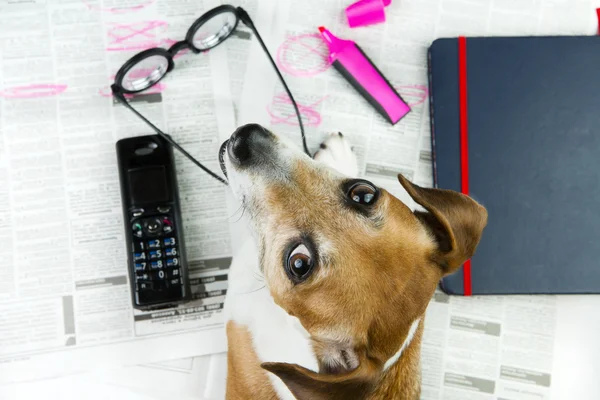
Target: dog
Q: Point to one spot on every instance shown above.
(327, 297)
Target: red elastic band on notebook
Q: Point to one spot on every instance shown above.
(464, 144)
(598, 14)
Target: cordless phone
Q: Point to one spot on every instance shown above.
(153, 226)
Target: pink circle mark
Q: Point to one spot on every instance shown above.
(137, 36)
(32, 91)
(303, 55)
(118, 10)
(413, 94)
(310, 116)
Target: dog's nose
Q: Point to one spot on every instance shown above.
(244, 142)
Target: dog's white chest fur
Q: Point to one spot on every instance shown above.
(277, 337)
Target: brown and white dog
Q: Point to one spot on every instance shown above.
(327, 297)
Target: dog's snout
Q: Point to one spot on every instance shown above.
(245, 142)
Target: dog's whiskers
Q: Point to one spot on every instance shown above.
(241, 207)
(241, 215)
(252, 291)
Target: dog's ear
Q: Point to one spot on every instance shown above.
(457, 222)
(309, 385)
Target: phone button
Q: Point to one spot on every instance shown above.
(152, 225)
(157, 264)
(139, 256)
(138, 246)
(172, 262)
(137, 229)
(144, 286)
(159, 275)
(169, 242)
(142, 276)
(163, 209)
(174, 273)
(155, 254)
(140, 266)
(171, 252)
(154, 244)
(167, 225)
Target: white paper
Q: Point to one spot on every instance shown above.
(78, 387)
(65, 303)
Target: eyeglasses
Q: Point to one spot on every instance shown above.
(148, 67)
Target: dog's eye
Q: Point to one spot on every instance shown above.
(299, 263)
(362, 193)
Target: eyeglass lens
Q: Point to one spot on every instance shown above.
(215, 30)
(145, 73)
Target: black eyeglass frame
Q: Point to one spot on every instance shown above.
(119, 91)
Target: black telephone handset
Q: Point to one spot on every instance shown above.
(153, 225)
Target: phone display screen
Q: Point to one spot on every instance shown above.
(148, 185)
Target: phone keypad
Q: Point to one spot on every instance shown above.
(156, 259)
(172, 262)
(141, 266)
(153, 244)
(155, 254)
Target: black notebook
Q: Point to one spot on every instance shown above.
(531, 156)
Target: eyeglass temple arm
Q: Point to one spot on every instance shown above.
(243, 15)
(123, 101)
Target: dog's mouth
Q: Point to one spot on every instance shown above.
(222, 151)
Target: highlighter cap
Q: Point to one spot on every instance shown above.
(366, 12)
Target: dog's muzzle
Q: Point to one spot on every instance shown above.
(248, 145)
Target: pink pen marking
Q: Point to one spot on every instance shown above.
(354, 65)
(417, 92)
(138, 36)
(32, 91)
(303, 55)
(118, 10)
(287, 116)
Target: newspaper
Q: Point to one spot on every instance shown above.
(65, 303)
(200, 377)
(470, 345)
(83, 387)
(239, 44)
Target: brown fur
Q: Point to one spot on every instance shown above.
(402, 381)
(245, 378)
(376, 274)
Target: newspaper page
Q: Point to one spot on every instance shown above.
(64, 296)
(81, 387)
(477, 348)
(201, 377)
(239, 44)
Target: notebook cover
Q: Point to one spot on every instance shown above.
(534, 157)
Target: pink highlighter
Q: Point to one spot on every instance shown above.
(359, 71)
